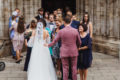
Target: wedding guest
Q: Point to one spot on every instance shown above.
(56, 47)
(68, 52)
(51, 23)
(13, 22)
(69, 13)
(74, 23)
(18, 38)
(49, 28)
(85, 52)
(55, 13)
(74, 17)
(15, 15)
(59, 18)
(40, 14)
(46, 16)
(67, 9)
(59, 12)
(29, 42)
(86, 20)
(28, 25)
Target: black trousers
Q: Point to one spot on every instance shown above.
(28, 55)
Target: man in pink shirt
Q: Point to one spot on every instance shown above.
(70, 40)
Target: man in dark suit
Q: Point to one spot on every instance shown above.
(74, 23)
(40, 14)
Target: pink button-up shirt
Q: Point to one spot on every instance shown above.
(69, 40)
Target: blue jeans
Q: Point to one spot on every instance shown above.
(13, 51)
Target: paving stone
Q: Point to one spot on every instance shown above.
(104, 67)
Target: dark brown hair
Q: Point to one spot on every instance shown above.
(13, 17)
(40, 9)
(86, 13)
(84, 27)
(44, 22)
(21, 25)
(67, 19)
(33, 21)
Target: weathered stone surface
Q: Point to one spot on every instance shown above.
(104, 67)
(28, 10)
(105, 16)
(5, 47)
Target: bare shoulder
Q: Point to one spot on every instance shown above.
(90, 23)
(46, 32)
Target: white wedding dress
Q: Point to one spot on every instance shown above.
(41, 65)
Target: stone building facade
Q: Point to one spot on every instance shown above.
(28, 9)
(104, 14)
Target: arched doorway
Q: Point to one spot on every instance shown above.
(51, 5)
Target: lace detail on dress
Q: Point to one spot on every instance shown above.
(39, 31)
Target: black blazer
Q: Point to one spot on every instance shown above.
(38, 17)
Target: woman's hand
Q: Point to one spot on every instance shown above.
(46, 45)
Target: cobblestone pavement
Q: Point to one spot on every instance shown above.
(104, 67)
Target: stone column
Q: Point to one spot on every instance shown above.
(6, 11)
(27, 10)
(97, 17)
(119, 17)
(36, 7)
(110, 18)
(116, 19)
(31, 9)
(86, 4)
(90, 10)
(1, 19)
(78, 8)
(103, 17)
(81, 8)
(94, 17)
(20, 5)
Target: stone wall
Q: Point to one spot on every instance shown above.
(28, 9)
(105, 16)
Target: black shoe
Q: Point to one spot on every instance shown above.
(19, 61)
(25, 70)
(14, 57)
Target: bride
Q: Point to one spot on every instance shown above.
(41, 65)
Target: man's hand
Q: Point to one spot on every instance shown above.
(79, 49)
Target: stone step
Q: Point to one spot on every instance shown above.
(13, 75)
(13, 79)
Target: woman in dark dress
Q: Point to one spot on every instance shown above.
(85, 52)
